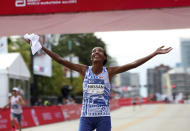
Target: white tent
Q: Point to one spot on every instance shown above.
(12, 66)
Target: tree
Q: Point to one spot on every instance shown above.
(52, 85)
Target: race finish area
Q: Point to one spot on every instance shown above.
(156, 117)
(62, 17)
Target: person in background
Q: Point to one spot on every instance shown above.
(47, 103)
(65, 94)
(39, 102)
(140, 101)
(15, 103)
(134, 102)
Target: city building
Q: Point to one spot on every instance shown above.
(151, 81)
(176, 82)
(185, 53)
(125, 79)
(131, 83)
(154, 79)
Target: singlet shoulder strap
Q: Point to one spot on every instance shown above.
(89, 68)
(104, 69)
(87, 72)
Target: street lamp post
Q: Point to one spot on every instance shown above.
(70, 59)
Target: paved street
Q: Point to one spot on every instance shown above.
(159, 117)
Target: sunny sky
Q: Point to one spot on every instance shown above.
(127, 46)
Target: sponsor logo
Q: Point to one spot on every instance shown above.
(23, 3)
(100, 77)
(34, 117)
(47, 116)
(20, 3)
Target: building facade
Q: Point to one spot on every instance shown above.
(175, 82)
(132, 82)
(185, 53)
(154, 79)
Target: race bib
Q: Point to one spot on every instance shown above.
(95, 86)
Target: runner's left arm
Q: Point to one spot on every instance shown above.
(21, 101)
(119, 69)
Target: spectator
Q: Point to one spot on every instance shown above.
(39, 102)
(65, 93)
(46, 103)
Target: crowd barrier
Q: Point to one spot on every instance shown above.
(35, 116)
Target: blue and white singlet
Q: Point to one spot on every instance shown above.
(96, 92)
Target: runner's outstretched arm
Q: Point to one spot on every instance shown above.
(119, 69)
(76, 67)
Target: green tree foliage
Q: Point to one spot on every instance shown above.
(82, 45)
(52, 86)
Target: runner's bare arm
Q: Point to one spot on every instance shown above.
(76, 67)
(119, 69)
(21, 101)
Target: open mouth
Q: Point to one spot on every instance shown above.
(96, 56)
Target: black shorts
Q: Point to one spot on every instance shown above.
(17, 116)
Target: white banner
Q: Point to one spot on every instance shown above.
(42, 62)
(3, 45)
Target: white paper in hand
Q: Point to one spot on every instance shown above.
(34, 42)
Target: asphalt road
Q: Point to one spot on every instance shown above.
(158, 117)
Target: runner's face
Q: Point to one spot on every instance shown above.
(97, 55)
(14, 92)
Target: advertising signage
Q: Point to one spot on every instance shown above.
(23, 7)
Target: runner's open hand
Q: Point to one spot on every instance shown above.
(163, 51)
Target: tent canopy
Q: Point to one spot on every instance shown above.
(86, 22)
(14, 65)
